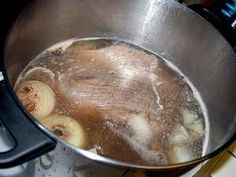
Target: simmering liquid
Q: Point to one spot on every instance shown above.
(131, 105)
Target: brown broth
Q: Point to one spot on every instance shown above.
(128, 100)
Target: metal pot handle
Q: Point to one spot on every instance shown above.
(30, 141)
(226, 26)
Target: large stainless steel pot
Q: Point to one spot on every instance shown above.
(162, 26)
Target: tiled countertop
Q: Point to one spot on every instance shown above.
(223, 165)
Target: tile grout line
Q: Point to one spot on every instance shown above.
(232, 154)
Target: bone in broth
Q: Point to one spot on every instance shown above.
(116, 99)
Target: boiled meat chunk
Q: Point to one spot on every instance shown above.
(123, 84)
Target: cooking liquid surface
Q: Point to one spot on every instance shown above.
(130, 103)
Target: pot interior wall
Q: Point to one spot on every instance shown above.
(164, 27)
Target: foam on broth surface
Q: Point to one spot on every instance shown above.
(132, 105)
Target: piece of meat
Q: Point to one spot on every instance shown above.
(121, 83)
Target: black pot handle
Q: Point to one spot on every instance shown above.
(30, 141)
(216, 16)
